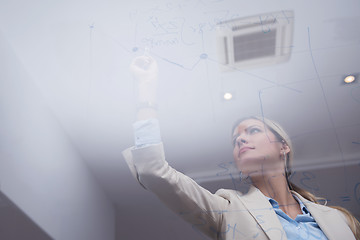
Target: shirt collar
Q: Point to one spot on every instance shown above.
(275, 204)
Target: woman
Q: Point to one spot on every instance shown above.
(273, 208)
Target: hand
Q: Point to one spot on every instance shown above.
(145, 70)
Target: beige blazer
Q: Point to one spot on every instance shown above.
(227, 214)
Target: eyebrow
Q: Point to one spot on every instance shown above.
(236, 135)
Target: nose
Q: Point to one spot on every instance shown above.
(240, 140)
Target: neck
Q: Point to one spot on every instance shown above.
(274, 185)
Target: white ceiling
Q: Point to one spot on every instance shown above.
(78, 53)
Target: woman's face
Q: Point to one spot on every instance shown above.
(256, 148)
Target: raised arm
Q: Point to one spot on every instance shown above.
(180, 193)
(145, 71)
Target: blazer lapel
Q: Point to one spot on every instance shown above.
(262, 211)
(328, 219)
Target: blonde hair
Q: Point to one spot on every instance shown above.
(281, 135)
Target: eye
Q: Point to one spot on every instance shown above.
(234, 141)
(254, 130)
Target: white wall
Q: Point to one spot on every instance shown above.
(40, 171)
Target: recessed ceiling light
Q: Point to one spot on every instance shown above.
(349, 79)
(228, 96)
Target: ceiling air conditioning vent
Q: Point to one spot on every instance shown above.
(255, 41)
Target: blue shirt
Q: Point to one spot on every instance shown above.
(147, 132)
(302, 227)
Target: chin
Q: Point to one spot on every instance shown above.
(249, 170)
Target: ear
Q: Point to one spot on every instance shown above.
(285, 148)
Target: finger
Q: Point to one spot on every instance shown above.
(142, 62)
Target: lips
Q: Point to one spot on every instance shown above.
(244, 149)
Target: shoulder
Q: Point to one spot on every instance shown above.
(249, 196)
(322, 210)
(229, 194)
(310, 204)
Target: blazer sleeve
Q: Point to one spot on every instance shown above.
(180, 193)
